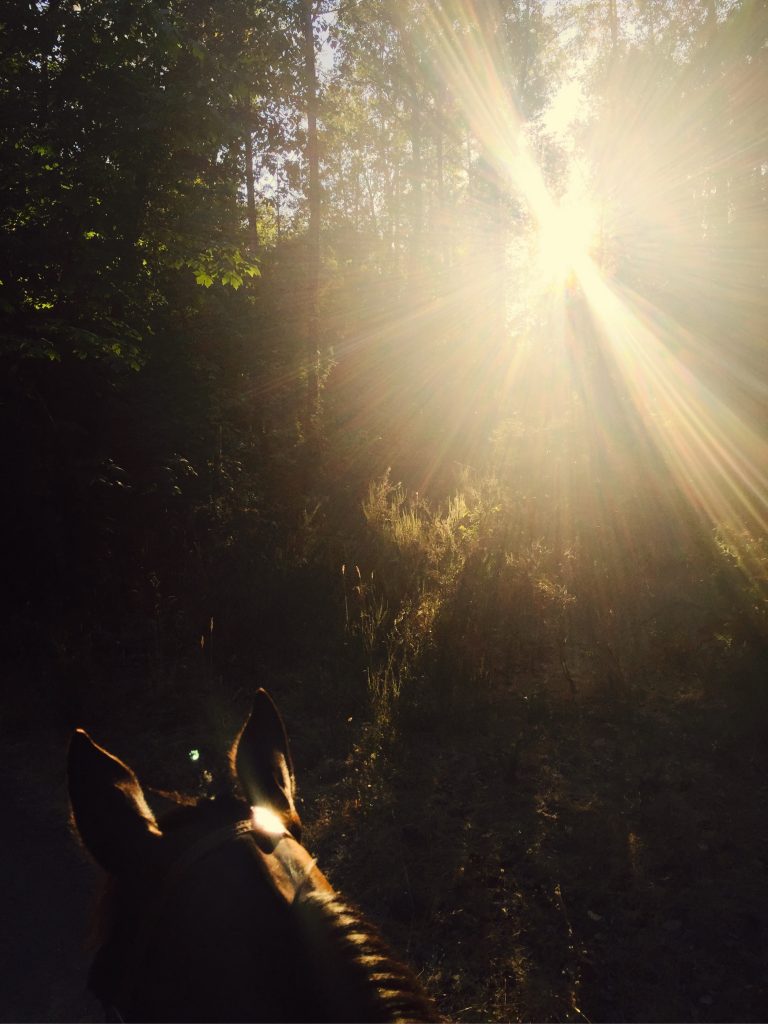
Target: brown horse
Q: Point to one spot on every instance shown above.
(217, 912)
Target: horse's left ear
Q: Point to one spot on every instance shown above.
(261, 760)
(113, 819)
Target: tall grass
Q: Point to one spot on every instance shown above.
(449, 591)
(477, 592)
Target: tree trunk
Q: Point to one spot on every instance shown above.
(250, 187)
(439, 234)
(416, 171)
(313, 231)
(417, 198)
(439, 154)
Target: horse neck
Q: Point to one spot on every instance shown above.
(232, 944)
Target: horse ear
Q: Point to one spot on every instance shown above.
(261, 760)
(110, 812)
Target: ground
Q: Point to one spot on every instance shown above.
(534, 857)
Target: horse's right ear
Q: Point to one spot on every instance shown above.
(261, 760)
(108, 806)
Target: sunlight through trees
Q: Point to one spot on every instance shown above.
(467, 297)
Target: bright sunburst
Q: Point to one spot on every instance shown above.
(630, 345)
(613, 292)
(567, 238)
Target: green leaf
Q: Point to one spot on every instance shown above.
(232, 278)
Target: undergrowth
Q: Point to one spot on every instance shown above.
(447, 596)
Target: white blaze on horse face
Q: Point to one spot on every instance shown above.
(265, 820)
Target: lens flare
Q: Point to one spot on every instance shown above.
(265, 820)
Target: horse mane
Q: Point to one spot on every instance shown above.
(352, 956)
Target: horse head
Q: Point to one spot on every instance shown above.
(215, 911)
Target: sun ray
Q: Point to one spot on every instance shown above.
(716, 456)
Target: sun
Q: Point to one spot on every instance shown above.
(568, 230)
(567, 238)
